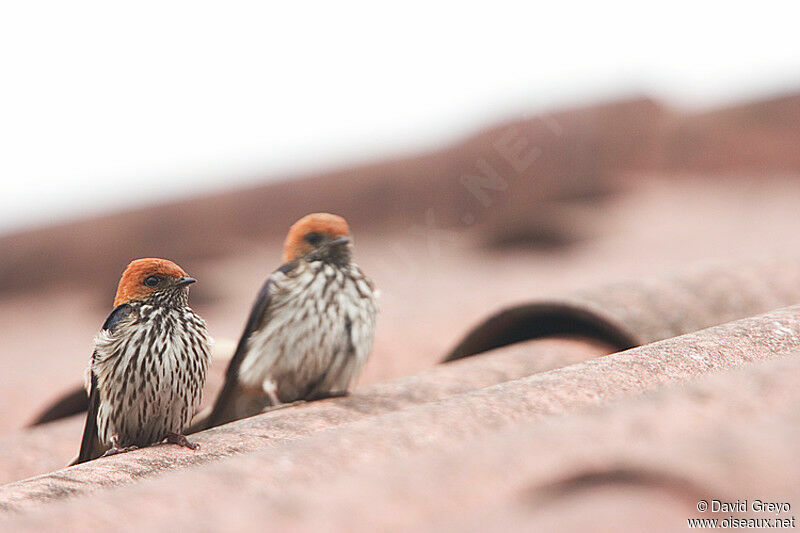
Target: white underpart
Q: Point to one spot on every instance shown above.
(164, 398)
(304, 343)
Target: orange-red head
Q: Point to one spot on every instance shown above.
(317, 236)
(145, 278)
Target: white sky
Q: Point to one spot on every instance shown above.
(105, 105)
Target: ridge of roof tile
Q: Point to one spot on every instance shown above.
(636, 313)
(49, 447)
(431, 426)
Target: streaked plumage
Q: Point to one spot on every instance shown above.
(310, 330)
(149, 363)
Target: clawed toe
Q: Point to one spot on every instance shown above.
(115, 450)
(181, 440)
(282, 406)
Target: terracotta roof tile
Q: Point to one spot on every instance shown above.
(636, 313)
(436, 425)
(555, 432)
(649, 441)
(50, 447)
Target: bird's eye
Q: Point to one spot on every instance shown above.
(313, 238)
(151, 281)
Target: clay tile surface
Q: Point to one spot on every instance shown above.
(49, 447)
(590, 320)
(246, 484)
(631, 314)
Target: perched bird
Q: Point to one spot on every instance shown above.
(149, 363)
(311, 327)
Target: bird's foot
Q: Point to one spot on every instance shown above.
(329, 394)
(181, 440)
(269, 408)
(115, 451)
(116, 448)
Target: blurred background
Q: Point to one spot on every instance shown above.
(483, 154)
(106, 107)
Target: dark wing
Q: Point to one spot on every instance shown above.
(222, 412)
(119, 313)
(90, 444)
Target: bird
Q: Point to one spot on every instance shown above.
(147, 371)
(310, 330)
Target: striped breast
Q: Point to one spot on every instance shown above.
(316, 335)
(150, 374)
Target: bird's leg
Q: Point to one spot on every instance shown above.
(116, 448)
(181, 440)
(273, 398)
(271, 390)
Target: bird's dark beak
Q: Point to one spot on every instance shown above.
(339, 241)
(184, 281)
